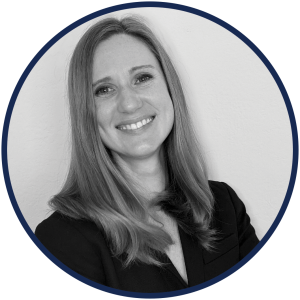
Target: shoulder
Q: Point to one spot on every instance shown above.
(58, 227)
(220, 189)
(225, 197)
(230, 217)
(228, 207)
(59, 232)
(78, 244)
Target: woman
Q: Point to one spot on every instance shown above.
(137, 212)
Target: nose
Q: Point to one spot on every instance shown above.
(129, 101)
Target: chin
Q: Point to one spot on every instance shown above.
(143, 152)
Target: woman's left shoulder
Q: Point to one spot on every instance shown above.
(230, 217)
(220, 188)
(229, 209)
(225, 196)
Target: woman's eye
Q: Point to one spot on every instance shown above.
(143, 78)
(103, 91)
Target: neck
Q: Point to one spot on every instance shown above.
(147, 174)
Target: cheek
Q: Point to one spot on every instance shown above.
(169, 110)
(104, 115)
(106, 135)
(165, 102)
(166, 116)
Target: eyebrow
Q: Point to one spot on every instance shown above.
(140, 67)
(108, 78)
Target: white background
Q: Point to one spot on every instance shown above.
(236, 107)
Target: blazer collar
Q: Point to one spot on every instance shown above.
(193, 258)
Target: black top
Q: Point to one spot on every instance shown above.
(81, 246)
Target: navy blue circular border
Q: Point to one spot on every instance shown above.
(201, 14)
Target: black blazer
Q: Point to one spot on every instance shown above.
(81, 246)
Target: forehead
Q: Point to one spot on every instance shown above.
(121, 52)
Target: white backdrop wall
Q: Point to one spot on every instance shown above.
(237, 109)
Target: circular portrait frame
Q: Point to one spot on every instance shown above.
(8, 184)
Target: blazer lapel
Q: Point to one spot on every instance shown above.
(193, 257)
(171, 268)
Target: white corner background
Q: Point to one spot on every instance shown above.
(238, 111)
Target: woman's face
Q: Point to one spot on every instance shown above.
(134, 109)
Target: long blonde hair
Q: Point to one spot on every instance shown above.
(97, 190)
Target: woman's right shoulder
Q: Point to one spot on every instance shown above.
(59, 230)
(54, 221)
(78, 244)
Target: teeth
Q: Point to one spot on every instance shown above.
(136, 125)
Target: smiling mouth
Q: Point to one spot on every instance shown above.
(137, 125)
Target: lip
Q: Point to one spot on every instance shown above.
(134, 120)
